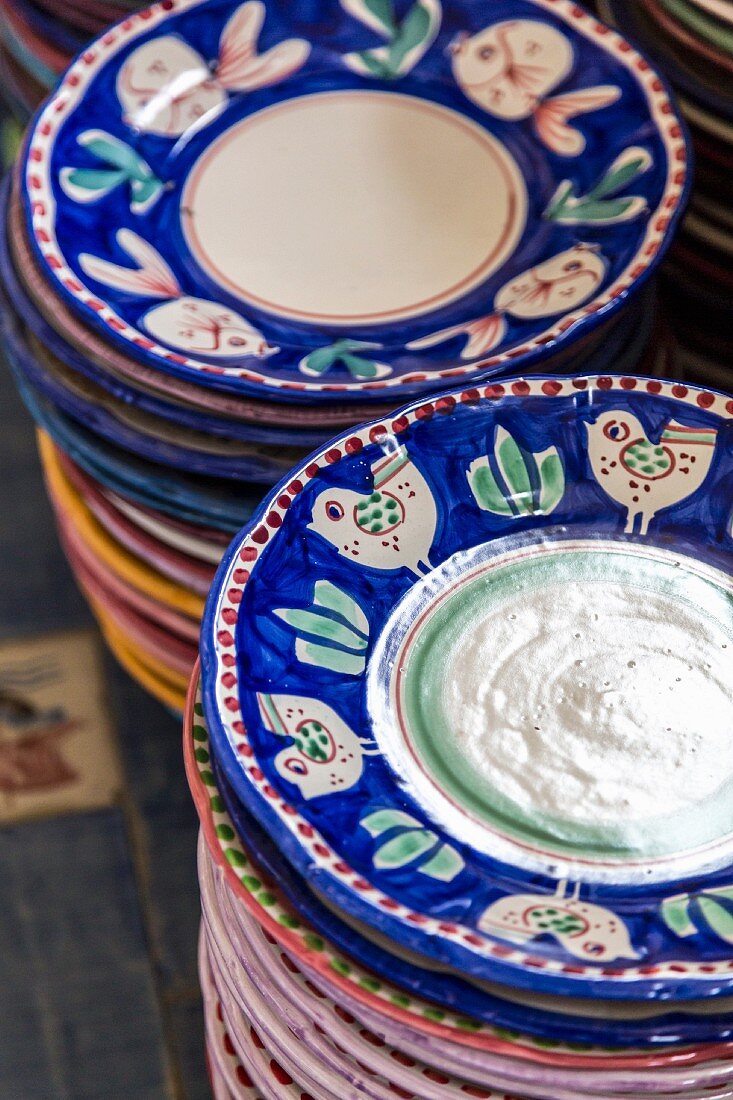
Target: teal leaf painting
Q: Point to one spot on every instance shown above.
(710, 912)
(332, 633)
(119, 166)
(602, 204)
(406, 41)
(514, 482)
(348, 354)
(409, 843)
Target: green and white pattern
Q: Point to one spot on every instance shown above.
(333, 633)
(710, 912)
(517, 483)
(347, 354)
(406, 41)
(408, 843)
(602, 205)
(120, 165)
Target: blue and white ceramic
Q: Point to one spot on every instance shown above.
(471, 668)
(352, 198)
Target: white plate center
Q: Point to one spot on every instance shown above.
(353, 207)
(594, 710)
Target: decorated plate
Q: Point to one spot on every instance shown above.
(374, 198)
(531, 788)
(326, 948)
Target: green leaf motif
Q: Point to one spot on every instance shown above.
(407, 41)
(404, 848)
(598, 207)
(122, 166)
(710, 911)
(361, 367)
(381, 820)
(333, 633)
(514, 482)
(411, 843)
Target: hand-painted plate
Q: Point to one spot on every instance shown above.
(365, 200)
(326, 947)
(391, 594)
(623, 1025)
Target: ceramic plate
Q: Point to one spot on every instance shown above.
(345, 649)
(172, 492)
(250, 958)
(465, 1044)
(497, 186)
(616, 1024)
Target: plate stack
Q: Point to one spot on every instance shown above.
(38, 39)
(692, 42)
(460, 747)
(236, 229)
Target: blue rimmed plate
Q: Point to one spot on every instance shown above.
(364, 200)
(471, 669)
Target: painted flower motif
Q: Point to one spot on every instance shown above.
(409, 842)
(122, 166)
(346, 353)
(709, 911)
(333, 633)
(601, 206)
(513, 482)
(406, 41)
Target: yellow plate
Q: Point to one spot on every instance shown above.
(128, 567)
(165, 686)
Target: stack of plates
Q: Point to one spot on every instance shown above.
(38, 39)
(692, 41)
(460, 747)
(235, 230)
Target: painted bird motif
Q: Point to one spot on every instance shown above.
(643, 476)
(586, 931)
(552, 287)
(324, 756)
(390, 528)
(510, 68)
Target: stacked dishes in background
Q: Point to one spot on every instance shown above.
(39, 38)
(692, 42)
(195, 295)
(460, 747)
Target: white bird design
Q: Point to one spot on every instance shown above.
(644, 476)
(508, 70)
(326, 756)
(390, 528)
(194, 325)
(584, 930)
(166, 87)
(554, 286)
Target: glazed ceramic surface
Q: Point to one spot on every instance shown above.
(375, 983)
(345, 651)
(496, 185)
